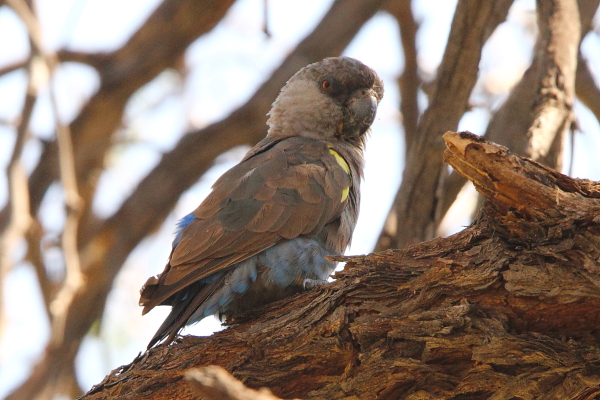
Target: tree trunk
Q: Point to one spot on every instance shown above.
(507, 308)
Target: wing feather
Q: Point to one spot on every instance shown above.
(282, 190)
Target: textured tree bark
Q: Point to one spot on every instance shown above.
(507, 308)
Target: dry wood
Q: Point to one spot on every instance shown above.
(215, 383)
(509, 307)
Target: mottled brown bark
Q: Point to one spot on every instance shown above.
(507, 308)
(416, 213)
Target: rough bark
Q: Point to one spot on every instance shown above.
(507, 308)
(416, 213)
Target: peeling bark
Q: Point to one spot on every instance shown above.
(507, 308)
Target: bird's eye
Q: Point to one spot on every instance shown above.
(326, 85)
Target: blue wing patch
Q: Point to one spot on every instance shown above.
(181, 225)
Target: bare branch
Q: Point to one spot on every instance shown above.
(19, 217)
(215, 383)
(409, 82)
(539, 107)
(34, 256)
(557, 43)
(60, 305)
(510, 123)
(96, 60)
(152, 49)
(417, 207)
(586, 87)
(73, 280)
(12, 67)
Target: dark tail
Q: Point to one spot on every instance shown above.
(184, 305)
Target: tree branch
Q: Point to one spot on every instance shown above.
(539, 107)
(74, 280)
(48, 288)
(477, 315)
(586, 88)
(12, 67)
(152, 49)
(416, 208)
(96, 60)
(513, 124)
(409, 82)
(17, 209)
(215, 383)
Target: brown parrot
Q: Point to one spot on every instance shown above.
(269, 223)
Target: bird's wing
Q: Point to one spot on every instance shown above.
(289, 188)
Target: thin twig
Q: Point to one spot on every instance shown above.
(34, 256)
(13, 67)
(73, 280)
(96, 60)
(18, 200)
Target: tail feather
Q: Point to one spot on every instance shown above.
(183, 308)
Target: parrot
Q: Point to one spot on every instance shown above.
(271, 222)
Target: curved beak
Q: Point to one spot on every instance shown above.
(361, 108)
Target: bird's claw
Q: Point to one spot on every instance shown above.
(309, 284)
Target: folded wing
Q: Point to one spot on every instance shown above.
(281, 190)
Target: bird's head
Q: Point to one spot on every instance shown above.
(334, 99)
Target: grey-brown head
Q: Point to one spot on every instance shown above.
(333, 99)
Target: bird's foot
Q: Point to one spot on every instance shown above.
(309, 284)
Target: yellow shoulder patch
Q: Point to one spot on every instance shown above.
(340, 160)
(345, 194)
(342, 163)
